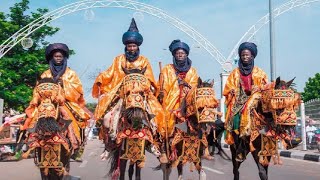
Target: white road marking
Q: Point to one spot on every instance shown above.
(83, 164)
(212, 170)
(92, 154)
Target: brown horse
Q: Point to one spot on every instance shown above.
(190, 144)
(273, 118)
(48, 136)
(135, 130)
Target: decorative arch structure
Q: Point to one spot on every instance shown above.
(133, 5)
(288, 6)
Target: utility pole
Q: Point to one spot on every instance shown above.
(272, 52)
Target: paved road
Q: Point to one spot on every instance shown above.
(92, 168)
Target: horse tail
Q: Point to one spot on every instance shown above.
(157, 168)
(114, 161)
(223, 154)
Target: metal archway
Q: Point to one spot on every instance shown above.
(89, 4)
(265, 20)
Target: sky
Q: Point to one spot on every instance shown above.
(97, 40)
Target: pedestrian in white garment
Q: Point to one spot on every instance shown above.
(310, 132)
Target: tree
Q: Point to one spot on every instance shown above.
(91, 106)
(20, 68)
(312, 89)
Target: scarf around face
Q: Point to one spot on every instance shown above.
(182, 66)
(57, 70)
(131, 56)
(246, 68)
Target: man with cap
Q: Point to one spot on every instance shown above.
(57, 55)
(240, 87)
(177, 79)
(108, 82)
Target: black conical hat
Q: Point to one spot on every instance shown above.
(133, 26)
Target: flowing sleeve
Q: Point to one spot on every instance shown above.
(33, 104)
(166, 78)
(31, 110)
(103, 79)
(150, 75)
(73, 88)
(230, 85)
(260, 80)
(193, 82)
(264, 79)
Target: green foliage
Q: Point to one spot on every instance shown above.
(312, 89)
(20, 68)
(91, 106)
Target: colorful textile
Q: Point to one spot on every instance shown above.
(107, 88)
(174, 92)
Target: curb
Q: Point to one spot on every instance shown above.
(300, 155)
(292, 154)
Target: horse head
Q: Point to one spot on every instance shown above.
(201, 106)
(135, 87)
(49, 97)
(282, 102)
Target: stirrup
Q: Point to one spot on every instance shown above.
(240, 158)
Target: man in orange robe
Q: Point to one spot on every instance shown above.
(57, 55)
(108, 82)
(176, 81)
(240, 92)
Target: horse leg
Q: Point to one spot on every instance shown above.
(236, 164)
(263, 170)
(166, 170)
(201, 172)
(138, 171)
(131, 166)
(123, 164)
(180, 171)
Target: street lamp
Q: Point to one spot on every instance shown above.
(272, 52)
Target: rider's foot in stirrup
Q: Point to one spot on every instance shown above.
(240, 158)
(77, 157)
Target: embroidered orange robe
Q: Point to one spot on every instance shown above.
(259, 79)
(172, 91)
(74, 102)
(108, 82)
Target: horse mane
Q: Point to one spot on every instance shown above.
(46, 80)
(134, 70)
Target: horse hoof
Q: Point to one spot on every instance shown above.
(208, 157)
(180, 177)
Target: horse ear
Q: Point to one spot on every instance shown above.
(199, 82)
(290, 82)
(125, 70)
(278, 80)
(143, 70)
(212, 83)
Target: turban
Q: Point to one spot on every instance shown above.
(132, 35)
(177, 44)
(56, 47)
(249, 46)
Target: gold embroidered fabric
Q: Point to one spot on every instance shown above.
(202, 98)
(171, 101)
(108, 83)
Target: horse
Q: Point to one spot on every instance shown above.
(189, 145)
(273, 117)
(214, 139)
(133, 131)
(48, 136)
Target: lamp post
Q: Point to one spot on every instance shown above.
(272, 52)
